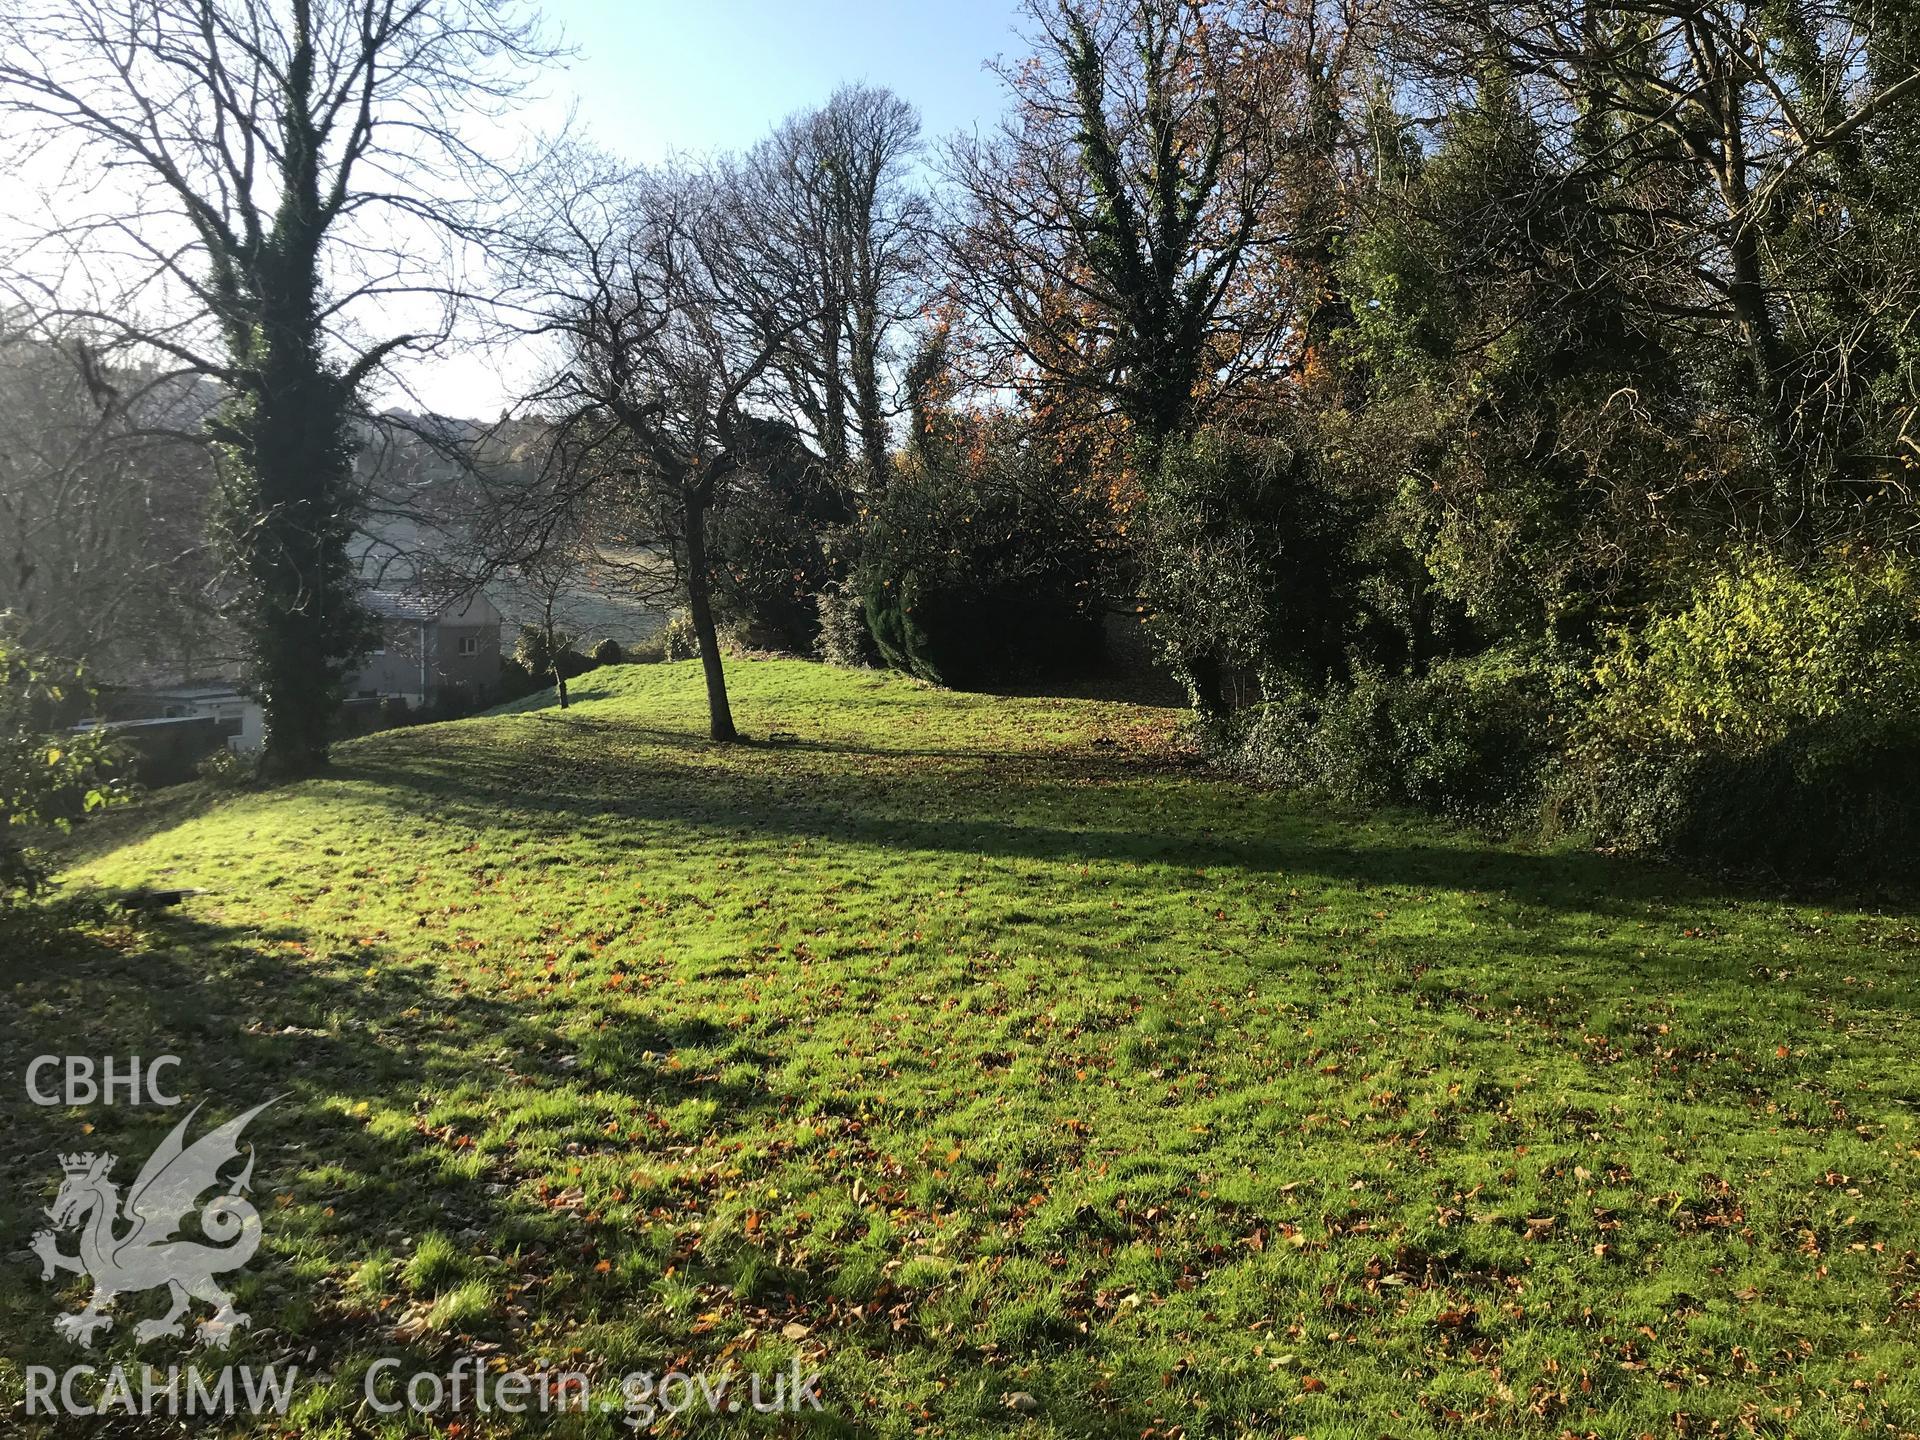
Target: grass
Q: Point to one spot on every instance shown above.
(968, 1048)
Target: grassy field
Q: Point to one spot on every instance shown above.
(994, 1060)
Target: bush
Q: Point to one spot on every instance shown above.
(771, 541)
(677, 640)
(1242, 560)
(844, 640)
(1775, 722)
(539, 657)
(49, 777)
(533, 649)
(228, 769)
(1765, 656)
(451, 702)
(983, 567)
(1473, 739)
(650, 651)
(517, 680)
(607, 652)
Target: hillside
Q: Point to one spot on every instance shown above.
(975, 1047)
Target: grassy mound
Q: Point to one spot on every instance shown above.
(970, 1047)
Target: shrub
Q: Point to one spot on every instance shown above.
(607, 652)
(1241, 553)
(453, 702)
(844, 640)
(1774, 722)
(539, 656)
(983, 567)
(1766, 656)
(650, 651)
(517, 680)
(534, 650)
(49, 777)
(227, 769)
(1472, 738)
(677, 640)
(771, 541)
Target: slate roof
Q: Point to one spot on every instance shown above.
(403, 605)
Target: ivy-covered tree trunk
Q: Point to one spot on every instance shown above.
(239, 133)
(288, 488)
(289, 516)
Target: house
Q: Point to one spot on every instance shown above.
(431, 648)
(241, 718)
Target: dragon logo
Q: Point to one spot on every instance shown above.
(148, 1253)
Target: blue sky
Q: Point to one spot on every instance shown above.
(699, 75)
(654, 79)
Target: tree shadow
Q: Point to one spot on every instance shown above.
(1086, 811)
(359, 1155)
(1065, 810)
(261, 1015)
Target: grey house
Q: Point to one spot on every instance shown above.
(430, 647)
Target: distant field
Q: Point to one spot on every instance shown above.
(1020, 1076)
(603, 607)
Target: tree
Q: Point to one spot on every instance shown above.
(278, 177)
(552, 573)
(1509, 413)
(832, 206)
(1121, 248)
(670, 334)
(1103, 234)
(1755, 164)
(104, 494)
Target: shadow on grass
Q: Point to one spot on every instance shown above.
(352, 1162)
(1085, 811)
(1561, 921)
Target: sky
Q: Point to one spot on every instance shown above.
(657, 78)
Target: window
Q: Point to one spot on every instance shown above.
(469, 645)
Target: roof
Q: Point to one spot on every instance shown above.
(403, 605)
(198, 692)
(460, 607)
(154, 722)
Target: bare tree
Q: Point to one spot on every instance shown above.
(104, 495)
(670, 331)
(834, 208)
(254, 189)
(552, 574)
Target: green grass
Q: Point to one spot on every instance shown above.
(970, 1046)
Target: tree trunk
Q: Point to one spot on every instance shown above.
(294, 494)
(1206, 686)
(867, 404)
(291, 497)
(700, 611)
(1747, 290)
(553, 655)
